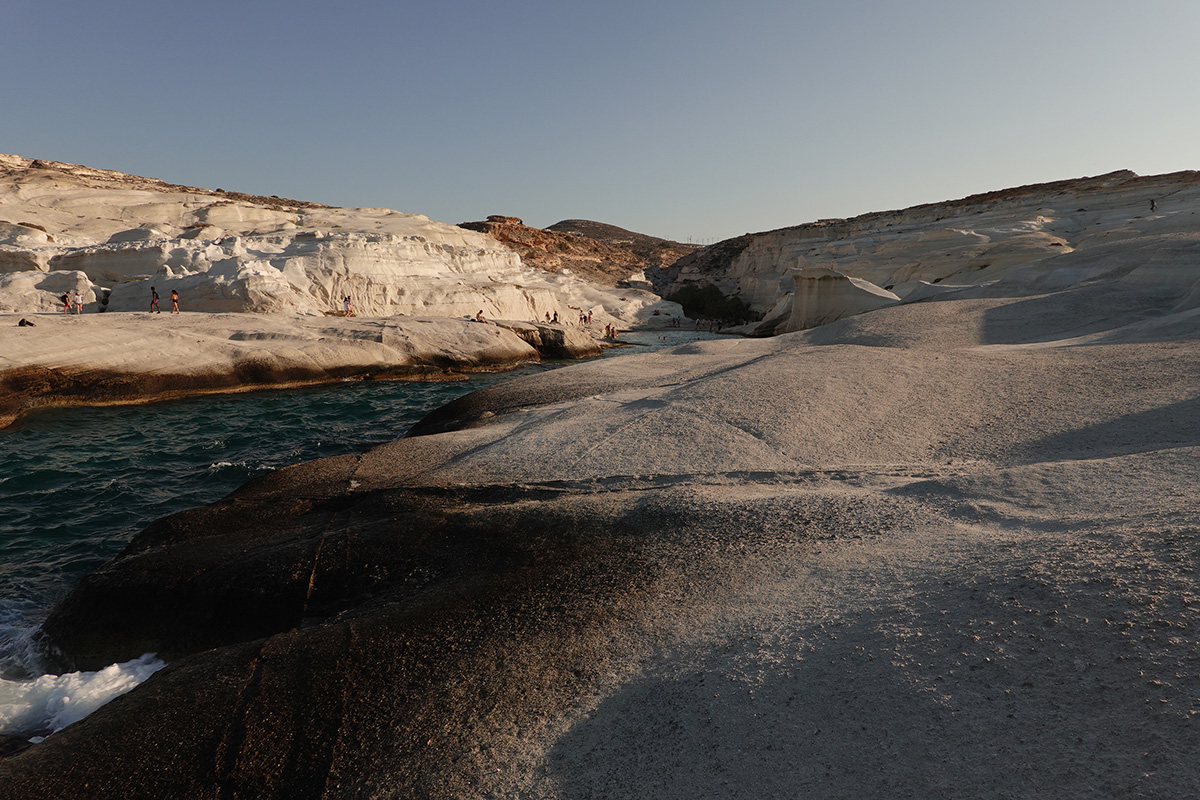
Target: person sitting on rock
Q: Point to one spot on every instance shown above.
(479, 316)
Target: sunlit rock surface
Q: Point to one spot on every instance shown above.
(116, 357)
(224, 251)
(1141, 230)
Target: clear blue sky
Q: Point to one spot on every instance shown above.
(677, 119)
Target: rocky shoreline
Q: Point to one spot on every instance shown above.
(944, 547)
(124, 358)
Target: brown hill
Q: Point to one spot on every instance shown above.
(603, 254)
(657, 253)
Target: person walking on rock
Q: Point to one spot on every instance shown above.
(78, 302)
(154, 301)
(66, 300)
(174, 302)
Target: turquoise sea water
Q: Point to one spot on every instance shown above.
(77, 484)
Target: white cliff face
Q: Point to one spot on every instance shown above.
(30, 291)
(231, 253)
(1036, 238)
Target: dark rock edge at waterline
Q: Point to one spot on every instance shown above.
(25, 389)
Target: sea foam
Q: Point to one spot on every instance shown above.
(46, 705)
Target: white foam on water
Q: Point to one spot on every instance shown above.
(20, 655)
(50, 703)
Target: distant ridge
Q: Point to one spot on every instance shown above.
(106, 178)
(596, 252)
(656, 252)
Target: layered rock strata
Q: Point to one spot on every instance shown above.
(230, 252)
(1143, 230)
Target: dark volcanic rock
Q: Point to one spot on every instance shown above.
(11, 745)
(407, 639)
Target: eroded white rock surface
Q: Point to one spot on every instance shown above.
(225, 252)
(31, 291)
(824, 295)
(1141, 230)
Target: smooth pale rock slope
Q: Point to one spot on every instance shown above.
(942, 550)
(1029, 238)
(116, 235)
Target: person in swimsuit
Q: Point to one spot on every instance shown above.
(154, 300)
(174, 302)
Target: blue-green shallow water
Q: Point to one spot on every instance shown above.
(77, 484)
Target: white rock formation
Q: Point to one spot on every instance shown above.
(31, 291)
(65, 359)
(1032, 238)
(824, 295)
(225, 252)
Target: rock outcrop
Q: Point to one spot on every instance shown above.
(94, 359)
(224, 251)
(1030, 238)
(655, 253)
(824, 295)
(602, 254)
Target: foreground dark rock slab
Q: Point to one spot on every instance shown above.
(426, 633)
